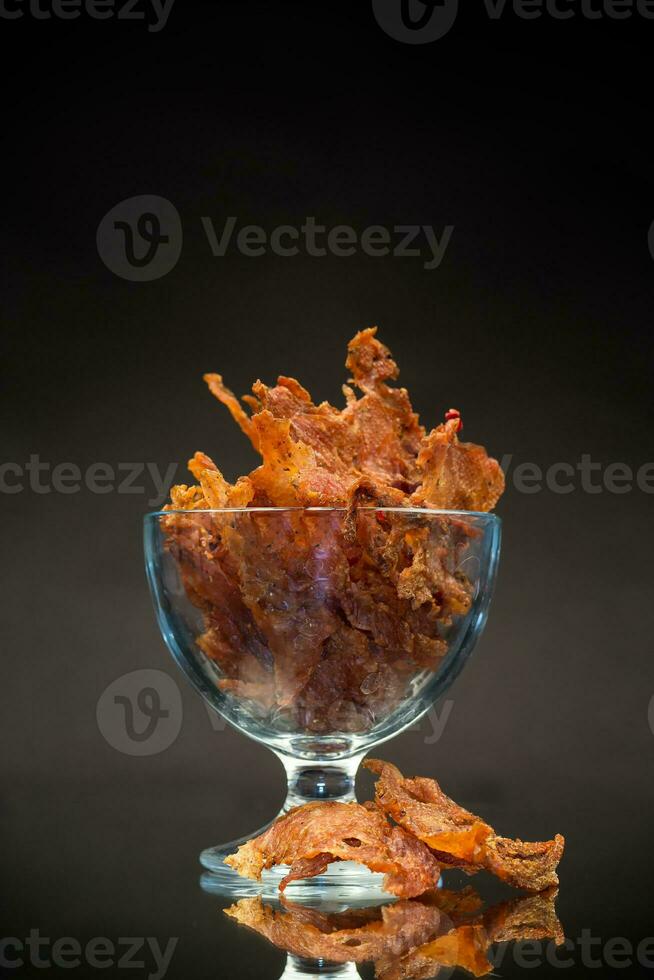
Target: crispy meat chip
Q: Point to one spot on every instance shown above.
(420, 806)
(316, 454)
(322, 625)
(531, 866)
(459, 838)
(456, 475)
(310, 837)
(229, 399)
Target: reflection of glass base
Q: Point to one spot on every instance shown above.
(297, 966)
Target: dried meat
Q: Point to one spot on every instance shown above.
(310, 837)
(320, 621)
(457, 837)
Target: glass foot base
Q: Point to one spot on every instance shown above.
(343, 882)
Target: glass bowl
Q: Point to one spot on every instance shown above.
(320, 632)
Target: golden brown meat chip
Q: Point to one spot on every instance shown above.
(459, 838)
(310, 837)
(323, 624)
(422, 808)
(456, 475)
(314, 455)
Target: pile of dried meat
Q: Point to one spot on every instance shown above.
(410, 832)
(320, 618)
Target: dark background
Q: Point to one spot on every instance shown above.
(532, 138)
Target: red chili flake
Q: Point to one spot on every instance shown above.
(454, 413)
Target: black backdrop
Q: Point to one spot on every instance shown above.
(532, 139)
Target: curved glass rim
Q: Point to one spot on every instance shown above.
(477, 514)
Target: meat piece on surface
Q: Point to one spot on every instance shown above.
(459, 838)
(310, 837)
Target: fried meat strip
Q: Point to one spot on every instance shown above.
(420, 806)
(288, 572)
(341, 617)
(231, 402)
(456, 475)
(314, 455)
(459, 838)
(310, 837)
(524, 864)
(326, 627)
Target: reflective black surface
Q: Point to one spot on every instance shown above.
(532, 137)
(86, 861)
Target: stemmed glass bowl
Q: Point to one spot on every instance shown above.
(320, 632)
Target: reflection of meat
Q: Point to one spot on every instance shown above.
(408, 940)
(354, 936)
(531, 917)
(468, 944)
(464, 947)
(310, 837)
(457, 837)
(322, 621)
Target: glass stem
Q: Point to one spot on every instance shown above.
(298, 966)
(312, 781)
